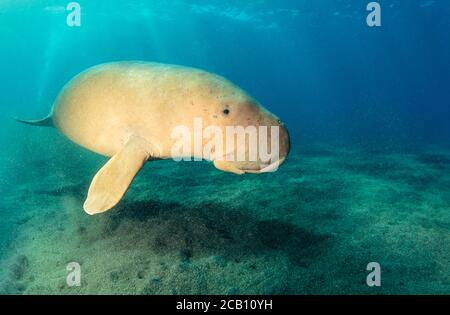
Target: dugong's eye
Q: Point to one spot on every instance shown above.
(226, 111)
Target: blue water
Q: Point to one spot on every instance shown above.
(316, 64)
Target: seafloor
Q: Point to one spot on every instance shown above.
(186, 228)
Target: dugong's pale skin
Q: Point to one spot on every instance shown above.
(127, 111)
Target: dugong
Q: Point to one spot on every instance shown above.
(133, 112)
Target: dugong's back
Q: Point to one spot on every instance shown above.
(98, 108)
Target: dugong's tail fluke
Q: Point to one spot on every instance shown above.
(46, 122)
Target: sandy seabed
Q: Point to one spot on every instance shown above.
(186, 228)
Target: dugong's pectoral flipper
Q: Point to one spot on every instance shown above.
(112, 180)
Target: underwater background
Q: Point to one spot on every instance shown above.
(367, 180)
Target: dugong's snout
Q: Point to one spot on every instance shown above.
(274, 154)
(278, 158)
(285, 142)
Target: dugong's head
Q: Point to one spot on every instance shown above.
(254, 139)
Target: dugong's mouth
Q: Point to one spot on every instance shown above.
(267, 169)
(272, 167)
